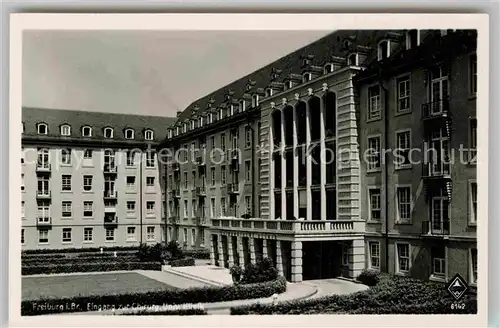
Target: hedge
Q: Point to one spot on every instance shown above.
(79, 250)
(42, 256)
(90, 267)
(182, 262)
(77, 260)
(207, 294)
(392, 295)
(198, 254)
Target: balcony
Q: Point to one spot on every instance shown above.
(436, 228)
(298, 228)
(174, 220)
(436, 110)
(201, 191)
(110, 194)
(233, 188)
(201, 221)
(110, 208)
(110, 168)
(439, 170)
(110, 220)
(44, 222)
(43, 194)
(43, 167)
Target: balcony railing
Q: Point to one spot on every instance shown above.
(110, 194)
(43, 194)
(233, 188)
(110, 168)
(44, 221)
(43, 167)
(436, 109)
(110, 220)
(174, 220)
(298, 227)
(436, 228)
(436, 170)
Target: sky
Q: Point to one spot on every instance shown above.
(143, 72)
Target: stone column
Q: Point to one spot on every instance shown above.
(239, 246)
(295, 166)
(230, 251)
(296, 261)
(221, 250)
(279, 261)
(271, 166)
(283, 167)
(212, 250)
(308, 164)
(251, 246)
(323, 160)
(264, 248)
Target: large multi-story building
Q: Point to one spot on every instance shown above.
(90, 179)
(287, 161)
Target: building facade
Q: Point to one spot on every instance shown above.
(90, 179)
(286, 162)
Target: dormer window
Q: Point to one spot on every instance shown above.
(269, 92)
(86, 131)
(306, 77)
(383, 50)
(221, 114)
(412, 39)
(169, 134)
(242, 105)
(231, 110)
(255, 100)
(200, 122)
(288, 85)
(129, 134)
(192, 124)
(185, 127)
(328, 68)
(65, 130)
(177, 131)
(210, 118)
(353, 60)
(42, 128)
(148, 135)
(108, 133)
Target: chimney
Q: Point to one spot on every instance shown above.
(179, 112)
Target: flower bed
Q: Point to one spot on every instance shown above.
(89, 267)
(391, 295)
(181, 296)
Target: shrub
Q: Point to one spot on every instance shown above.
(89, 267)
(173, 251)
(261, 271)
(189, 261)
(198, 254)
(369, 277)
(168, 296)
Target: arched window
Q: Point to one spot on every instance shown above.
(288, 85)
(185, 127)
(200, 123)
(353, 60)
(42, 128)
(193, 124)
(255, 100)
(383, 50)
(129, 134)
(65, 130)
(210, 118)
(148, 135)
(269, 92)
(86, 131)
(242, 105)
(328, 68)
(306, 77)
(108, 133)
(169, 134)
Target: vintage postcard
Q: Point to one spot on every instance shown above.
(196, 168)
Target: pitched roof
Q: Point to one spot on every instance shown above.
(77, 119)
(322, 51)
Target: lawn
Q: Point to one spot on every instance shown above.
(92, 284)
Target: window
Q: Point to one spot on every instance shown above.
(185, 235)
(403, 142)
(43, 212)
(403, 258)
(108, 133)
(130, 182)
(185, 180)
(412, 39)
(353, 60)
(87, 182)
(130, 158)
(66, 156)
(248, 205)
(328, 68)
(213, 210)
(148, 135)
(288, 85)
(473, 202)
(66, 209)
(150, 233)
(193, 237)
(186, 211)
(403, 85)
(473, 265)
(473, 141)
(269, 92)
(438, 261)
(473, 74)
(255, 100)
(129, 134)
(42, 128)
(150, 159)
(223, 206)
(150, 181)
(43, 236)
(88, 234)
(88, 208)
(374, 255)
(223, 174)
(306, 77)
(131, 236)
(345, 254)
(248, 172)
(66, 235)
(150, 207)
(22, 236)
(223, 141)
(193, 175)
(375, 208)
(65, 130)
(22, 181)
(130, 206)
(200, 122)
(383, 50)
(212, 142)
(373, 153)
(66, 183)
(86, 131)
(87, 154)
(23, 209)
(193, 208)
(248, 137)
(374, 105)
(212, 176)
(110, 234)
(43, 186)
(404, 203)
